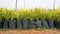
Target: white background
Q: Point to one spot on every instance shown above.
(10, 4)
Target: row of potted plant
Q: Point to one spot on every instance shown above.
(30, 18)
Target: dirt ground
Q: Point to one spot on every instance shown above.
(32, 31)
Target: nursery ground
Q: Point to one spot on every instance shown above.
(29, 31)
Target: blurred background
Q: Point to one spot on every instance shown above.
(28, 4)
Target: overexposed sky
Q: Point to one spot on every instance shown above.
(10, 4)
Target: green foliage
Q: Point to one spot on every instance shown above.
(0, 13)
(31, 14)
